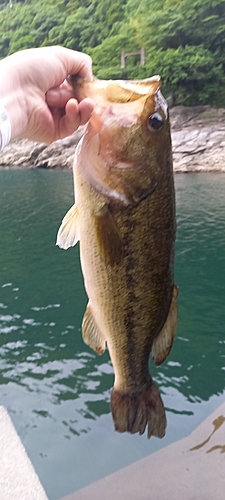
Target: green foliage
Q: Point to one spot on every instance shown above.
(106, 56)
(171, 23)
(184, 40)
(191, 74)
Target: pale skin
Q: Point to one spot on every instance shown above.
(39, 101)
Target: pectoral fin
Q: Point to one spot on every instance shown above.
(164, 340)
(91, 333)
(68, 233)
(108, 236)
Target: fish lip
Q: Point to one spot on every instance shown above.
(138, 86)
(86, 87)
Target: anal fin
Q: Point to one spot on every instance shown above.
(163, 342)
(91, 333)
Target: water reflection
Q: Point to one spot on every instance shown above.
(56, 389)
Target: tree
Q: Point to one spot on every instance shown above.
(184, 40)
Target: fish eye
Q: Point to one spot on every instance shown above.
(155, 122)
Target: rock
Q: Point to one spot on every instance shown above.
(29, 154)
(198, 139)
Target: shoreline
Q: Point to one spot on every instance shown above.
(198, 143)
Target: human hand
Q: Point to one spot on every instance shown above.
(39, 101)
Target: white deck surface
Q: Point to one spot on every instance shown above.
(18, 479)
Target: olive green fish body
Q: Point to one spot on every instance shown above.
(125, 221)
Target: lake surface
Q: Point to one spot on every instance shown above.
(57, 390)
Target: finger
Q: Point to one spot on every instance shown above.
(85, 109)
(75, 115)
(58, 97)
(70, 121)
(75, 63)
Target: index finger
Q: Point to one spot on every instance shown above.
(76, 62)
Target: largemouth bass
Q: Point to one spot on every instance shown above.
(124, 218)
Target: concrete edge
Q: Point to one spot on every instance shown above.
(18, 479)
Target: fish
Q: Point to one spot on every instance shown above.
(124, 218)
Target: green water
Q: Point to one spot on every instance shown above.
(55, 388)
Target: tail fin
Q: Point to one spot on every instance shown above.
(133, 412)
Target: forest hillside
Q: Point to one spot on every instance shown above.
(183, 40)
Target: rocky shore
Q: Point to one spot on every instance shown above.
(198, 138)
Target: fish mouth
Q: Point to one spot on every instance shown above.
(112, 96)
(124, 91)
(114, 91)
